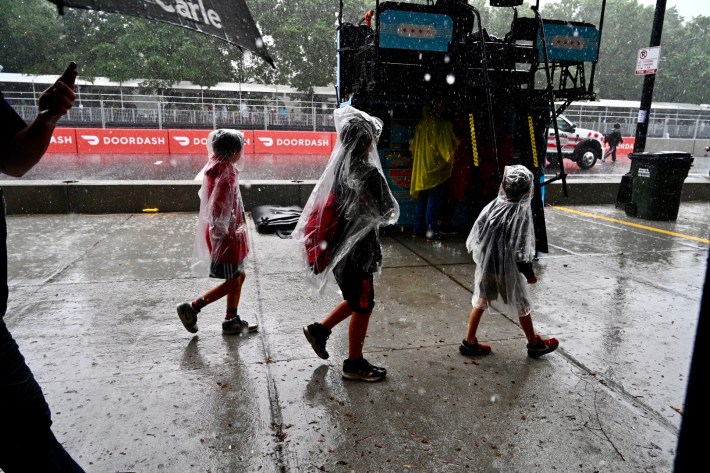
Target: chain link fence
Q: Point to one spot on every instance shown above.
(315, 113)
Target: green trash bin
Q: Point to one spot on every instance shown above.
(656, 184)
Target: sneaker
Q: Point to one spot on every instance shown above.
(188, 316)
(473, 349)
(361, 369)
(542, 347)
(317, 335)
(237, 326)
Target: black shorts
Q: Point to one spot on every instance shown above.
(226, 270)
(358, 290)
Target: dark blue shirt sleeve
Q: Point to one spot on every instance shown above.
(10, 121)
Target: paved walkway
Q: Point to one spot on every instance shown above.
(92, 305)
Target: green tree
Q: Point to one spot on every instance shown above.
(121, 48)
(31, 37)
(301, 37)
(684, 70)
(627, 29)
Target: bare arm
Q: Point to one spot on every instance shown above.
(27, 146)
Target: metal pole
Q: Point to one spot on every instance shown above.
(103, 116)
(649, 81)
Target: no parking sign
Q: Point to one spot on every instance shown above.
(647, 60)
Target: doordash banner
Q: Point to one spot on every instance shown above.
(63, 141)
(150, 141)
(292, 142)
(625, 148)
(195, 141)
(121, 141)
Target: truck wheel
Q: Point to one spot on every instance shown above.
(586, 155)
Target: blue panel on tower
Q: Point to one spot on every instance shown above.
(567, 41)
(415, 31)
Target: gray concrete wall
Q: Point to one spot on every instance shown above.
(98, 197)
(694, 147)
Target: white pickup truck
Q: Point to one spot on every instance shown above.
(582, 146)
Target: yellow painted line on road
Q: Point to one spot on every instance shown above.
(631, 224)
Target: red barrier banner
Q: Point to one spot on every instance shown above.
(63, 141)
(625, 148)
(292, 142)
(153, 141)
(195, 141)
(120, 141)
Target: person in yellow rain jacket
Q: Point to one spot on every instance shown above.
(433, 149)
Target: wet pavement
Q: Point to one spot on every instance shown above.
(81, 167)
(92, 305)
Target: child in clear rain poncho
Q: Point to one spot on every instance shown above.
(221, 242)
(502, 242)
(338, 235)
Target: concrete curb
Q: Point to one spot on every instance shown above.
(105, 197)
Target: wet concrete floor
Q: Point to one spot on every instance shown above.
(92, 305)
(83, 167)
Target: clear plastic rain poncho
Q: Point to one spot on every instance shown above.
(221, 227)
(433, 149)
(502, 236)
(363, 200)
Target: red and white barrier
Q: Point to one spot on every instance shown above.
(152, 141)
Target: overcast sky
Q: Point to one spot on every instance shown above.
(686, 8)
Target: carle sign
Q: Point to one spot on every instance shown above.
(229, 21)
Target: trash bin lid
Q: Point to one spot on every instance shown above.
(664, 158)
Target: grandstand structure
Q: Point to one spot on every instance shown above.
(102, 103)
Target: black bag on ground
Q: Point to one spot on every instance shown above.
(276, 219)
(623, 197)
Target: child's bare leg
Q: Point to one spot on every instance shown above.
(341, 312)
(470, 346)
(227, 287)
(473, 321)
(235, 294)
(526, 324)
(357, 332)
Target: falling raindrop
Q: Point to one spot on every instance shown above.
(450, 79)
(447, 59)
(259, 43)
(427, 77)
(494, 398)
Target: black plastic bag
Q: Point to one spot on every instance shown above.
(276, 219)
